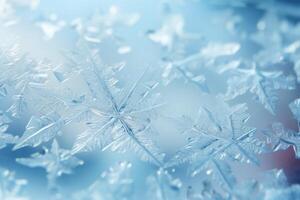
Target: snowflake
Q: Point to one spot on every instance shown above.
(262, 83)
(216, 138)
(121, 119)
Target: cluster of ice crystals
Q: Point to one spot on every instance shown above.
(185, 103)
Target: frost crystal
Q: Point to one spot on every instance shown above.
(104, 25)
(10, 186)
(251, 189)
(119, 123)
(216, 139)
(295, 108)
(23, 75)
(40, 130)
(115, 183)
(262, 83)
(282, 138)
(163, 186)
(170, 30)
(51, 26)
(4, 137)
(56, 161)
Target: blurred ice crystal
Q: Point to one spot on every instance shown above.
(295, 108)
(5, 9)
(172, 28)
(40, 130)
(282, 138)
(5, 138)
(10, 186)
(124, 50)
(290, 193)
(115, 183)
(104, 25)
(56, 162)
(51, 26)
(163, 186)
(217, 50)
(32, 4)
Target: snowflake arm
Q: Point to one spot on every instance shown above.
(40, 130)
(281, 138)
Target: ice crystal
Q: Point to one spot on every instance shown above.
(251, 189)
(103, 25)
(50, 26)
(286, 193)
(115, 183)
(56, 161)
(262, 83)
(119, 123)
(215, 56)
(163, 186)
(5, 138)
(295, 108)
(169, 32)
(10, 186)
(40, 130)
(282, 138)
(23, 75)
(218, 138)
